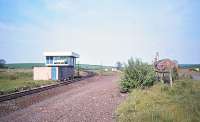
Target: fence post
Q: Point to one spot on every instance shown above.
(78, 73)
(170, 76)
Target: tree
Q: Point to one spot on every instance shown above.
(137, 74)
(2, 63)
(118, 65)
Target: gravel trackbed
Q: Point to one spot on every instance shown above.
(91, 100)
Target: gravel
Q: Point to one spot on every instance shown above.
(91, 100)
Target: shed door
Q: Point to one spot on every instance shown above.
(53, 73)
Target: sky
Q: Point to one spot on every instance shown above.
(101, 31)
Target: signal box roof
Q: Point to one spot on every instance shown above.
(62, 53)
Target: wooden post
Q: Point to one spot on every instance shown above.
(78, 73)
(170, 76)
(161, 74)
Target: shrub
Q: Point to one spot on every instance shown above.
(12, 77)
(137, 74)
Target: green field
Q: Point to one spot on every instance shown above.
(31, 65)
(187, 66)
(24, 65)
(161, 103)
(14, 80)
(19, 76)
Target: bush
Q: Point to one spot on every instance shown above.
(137, 74)
(12, 77)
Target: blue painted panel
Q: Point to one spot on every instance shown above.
(51, 60)
(53, 73)
(47, 59)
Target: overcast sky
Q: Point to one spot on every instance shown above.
(101, 31)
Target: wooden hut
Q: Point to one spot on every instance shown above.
(165, 69)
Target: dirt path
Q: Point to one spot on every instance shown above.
(90, 102)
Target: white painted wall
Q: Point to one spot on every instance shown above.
(42, 73)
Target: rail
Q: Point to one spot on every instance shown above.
(43, 88)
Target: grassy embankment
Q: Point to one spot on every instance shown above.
(161, 103)
(13, 80)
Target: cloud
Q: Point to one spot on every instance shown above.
(60, 5)
(8, 27)
(105, 31)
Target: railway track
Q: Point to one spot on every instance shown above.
(43, 88)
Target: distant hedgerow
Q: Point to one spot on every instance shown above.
(137, 74)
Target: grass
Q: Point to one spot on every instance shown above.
(103, 72)
(31, 65)
(14, 80)
(92, 67)
(24, 65)
(162, 103)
